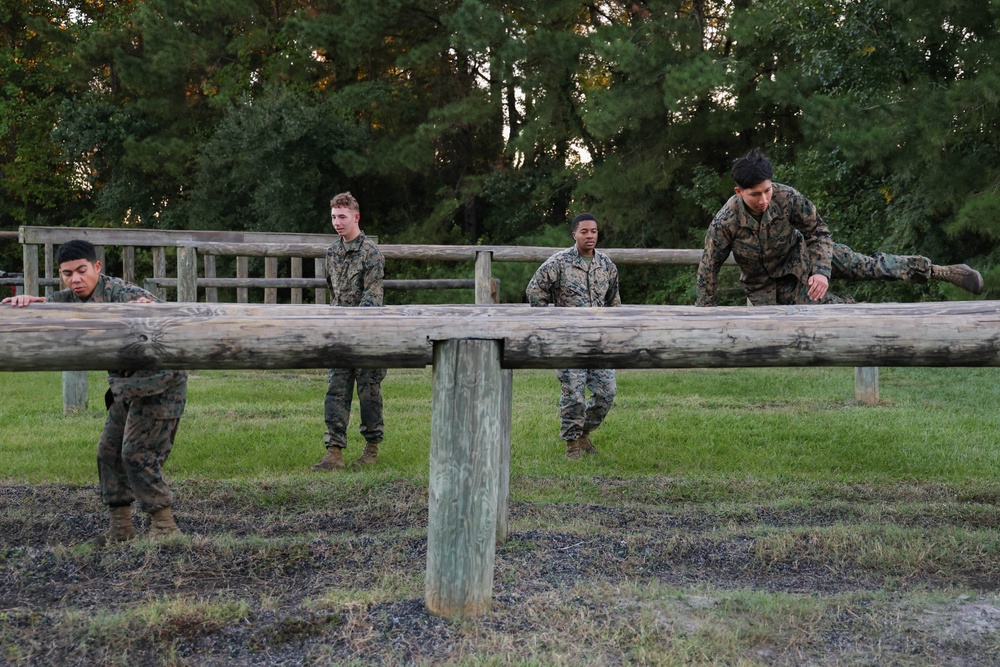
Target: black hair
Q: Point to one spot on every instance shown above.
(580, 218)
(752, 169)
(76, 249)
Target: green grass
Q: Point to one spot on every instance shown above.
(734, 517)
(770, 425)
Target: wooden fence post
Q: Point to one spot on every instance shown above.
(866, 384)
(503, 469)
(187, 274)
(29, 252)
(160, 270)
(74, 387)
(296, 297)
(128, 264)
(320, 264)
(242, 271)
(50, 269)
(484, 274)
(466, 436)
(270, 271)
(211, 293)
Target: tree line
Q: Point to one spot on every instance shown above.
(489, 121)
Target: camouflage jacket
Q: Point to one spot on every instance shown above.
(790, 239)
(565, 279)
(162, 393)
(354, 272)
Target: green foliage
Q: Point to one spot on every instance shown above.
(482, 121)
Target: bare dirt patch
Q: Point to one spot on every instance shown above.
(294, 573)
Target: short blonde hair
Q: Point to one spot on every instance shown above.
(345, 200)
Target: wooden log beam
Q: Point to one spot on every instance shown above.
(452, 253)
(299, 283)
(198, 335)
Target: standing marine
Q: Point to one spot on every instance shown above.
(354, 272)
(580, 276)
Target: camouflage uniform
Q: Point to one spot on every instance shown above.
(142, 419)
(778, 254)
(354, 272)
(567, 280)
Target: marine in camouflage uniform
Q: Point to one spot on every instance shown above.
(780, 249)
(142, 419)
(144, 409)
(354, 273)
(570, 279)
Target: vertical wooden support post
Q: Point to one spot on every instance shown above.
(128, 264)
(466, 427)
(74, 386)
(503, 468)
(29, 253)
(270, 271)
(242, 271)
(99, 249)
(187, 275)
(484, 274)
(211, 293)
(296, 273)
(50, 271)
(866, 384)
(160, 270)
(320, 265)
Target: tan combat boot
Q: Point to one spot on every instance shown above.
(162, 524)
(961, 275)
(586, 446)
(332, 460)
(573, 449)
(368, 457)
(120, 528)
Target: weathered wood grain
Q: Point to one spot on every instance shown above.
(198, 335)
(466, 439)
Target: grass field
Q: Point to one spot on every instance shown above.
(748, 516)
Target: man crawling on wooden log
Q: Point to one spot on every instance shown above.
(144, 407)
(785, 252)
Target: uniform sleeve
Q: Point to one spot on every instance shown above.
(539, 291)
(819, 242)
(327, 270)
(374, 271)
(613, 297)
(718, 245)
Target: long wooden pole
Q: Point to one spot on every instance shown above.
(466, 437)
(200, 335)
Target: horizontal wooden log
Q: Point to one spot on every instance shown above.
(311, 283)
(198, 335)
(161, 237)
(457, 253)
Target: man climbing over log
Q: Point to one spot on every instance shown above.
(580, 276)
(144, 407)
(785, 251)
(354, 272)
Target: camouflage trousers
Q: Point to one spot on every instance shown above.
(337, 406)
(848, 265)
(130, 457)
(576, 414)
